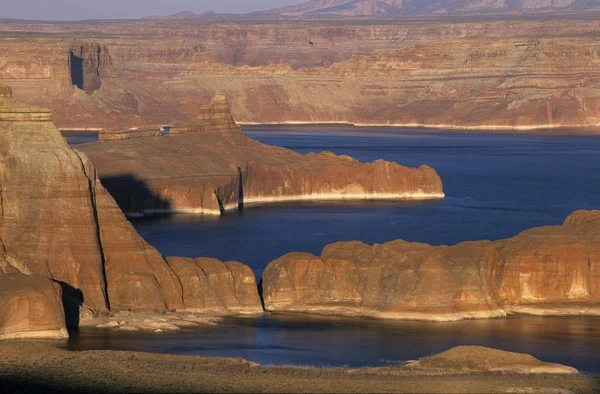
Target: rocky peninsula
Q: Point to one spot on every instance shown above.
(209, 166)
(542, 271)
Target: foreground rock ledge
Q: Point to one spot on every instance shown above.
(31, 367)
(209, 166)
(542, 271)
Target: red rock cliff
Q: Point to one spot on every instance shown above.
(57, 221)
(545, 271)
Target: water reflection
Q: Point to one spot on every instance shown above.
(331, 341)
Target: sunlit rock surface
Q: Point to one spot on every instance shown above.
(543, 271)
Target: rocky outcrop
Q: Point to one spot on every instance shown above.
(545, 271)
(214, 118)
(30, 307)
(479, 359)
(57, 221)
(211, 285)
(88, 63)
(209, 166)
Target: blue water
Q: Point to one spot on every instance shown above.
(496, 184)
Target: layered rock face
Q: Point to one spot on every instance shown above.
(210, 166)
(546, 271)
(30, 307)
(513, 73)
(57, 221)
(48, 217)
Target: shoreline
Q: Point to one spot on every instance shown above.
(263, 201)
(554, 129)
(434, 127)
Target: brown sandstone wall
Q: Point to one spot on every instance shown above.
(58, 222)
(545, 271)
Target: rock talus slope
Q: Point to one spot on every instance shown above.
(57, 221)
(209, 166)
(545, 271)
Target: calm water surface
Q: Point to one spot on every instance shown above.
(496, 185)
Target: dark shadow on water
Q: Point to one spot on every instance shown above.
(133, 195)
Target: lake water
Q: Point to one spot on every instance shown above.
(496, 185)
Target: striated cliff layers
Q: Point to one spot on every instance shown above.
(513, 73)
(57, 221)
(545, 271)
(210, 166)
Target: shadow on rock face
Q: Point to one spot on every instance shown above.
(134, 196)
(72, 300)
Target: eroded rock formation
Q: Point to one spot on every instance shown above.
(546, 271)
(30, 307)
(210, 166)
(57, 221)
(88, 64)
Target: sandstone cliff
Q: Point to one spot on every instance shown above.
(57, 221)
(209, 166)
(513, 73)
(545, 271)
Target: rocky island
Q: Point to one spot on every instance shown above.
(209, 166)
(542, 271)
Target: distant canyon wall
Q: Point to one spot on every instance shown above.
(521, 73)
